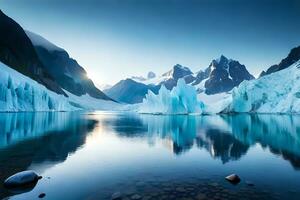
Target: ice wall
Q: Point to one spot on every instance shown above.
(182, 99)
(20, 93)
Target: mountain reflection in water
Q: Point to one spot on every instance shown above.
(225, 137)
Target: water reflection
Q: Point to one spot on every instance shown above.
(46, 139)
(225, 137)
(30, 138)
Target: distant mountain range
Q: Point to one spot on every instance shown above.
(44, 62)
(220, 76)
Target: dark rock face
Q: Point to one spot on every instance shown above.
(176, 73)
(17, 51)
(201, 75)
(130, 91)
(66, 71)
(225, 74)
(292, 57)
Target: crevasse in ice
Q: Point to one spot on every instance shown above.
(182, 99)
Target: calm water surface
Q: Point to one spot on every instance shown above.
(93, 155)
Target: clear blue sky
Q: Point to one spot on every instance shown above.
(114, 39)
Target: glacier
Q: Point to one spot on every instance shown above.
(20, 93)
(182, 99)
(278, 92)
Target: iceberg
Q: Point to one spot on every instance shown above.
(182, 99)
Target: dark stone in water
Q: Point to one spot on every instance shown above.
(42, 195)
(21, 179)
(233, 178)
(116, 196)
(249, 183)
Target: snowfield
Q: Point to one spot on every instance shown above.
(20, 93)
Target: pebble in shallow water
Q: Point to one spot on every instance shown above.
(233, 178)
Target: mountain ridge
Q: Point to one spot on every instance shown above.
(220, 76)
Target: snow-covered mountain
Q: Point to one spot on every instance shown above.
(17, 51)
(20, 93)
(43, 61)
(224, 75)
(220, 76)
(37, 75)
(277, 92)
(134, 89)
(65, 70)
(292, 57)
(169, 79)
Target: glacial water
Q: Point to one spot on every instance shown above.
(95, 155)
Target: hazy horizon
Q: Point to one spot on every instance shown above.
(114, 39)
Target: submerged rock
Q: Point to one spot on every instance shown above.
(116, 196)
(249, 183)
(21, 179)
(233, 178)
(136, 197)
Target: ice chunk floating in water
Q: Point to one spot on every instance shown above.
(182, 99)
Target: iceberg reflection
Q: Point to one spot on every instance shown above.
(225, 137)
(35, 138)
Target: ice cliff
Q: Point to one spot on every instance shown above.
(20, 93)
(182, 99)
(278, 92)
